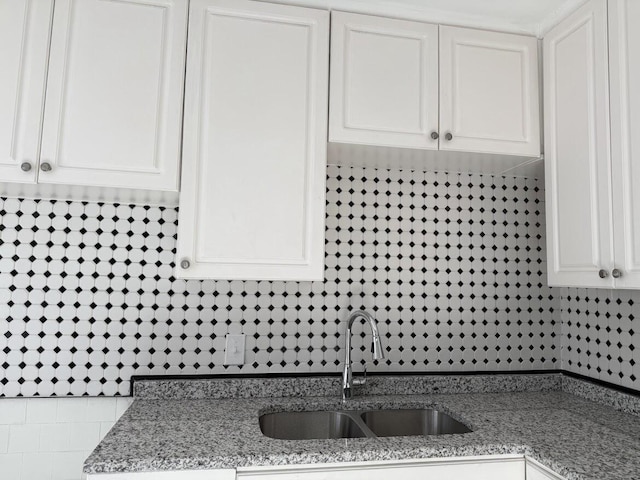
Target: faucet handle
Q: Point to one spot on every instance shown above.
(363, 380)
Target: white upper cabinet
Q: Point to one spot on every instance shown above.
(489, 92)
(25, 26)
(410, 84)
(592, 116)
(252, 201)
(577, 144)
(624, 43)
(384, 81)
(113, 110)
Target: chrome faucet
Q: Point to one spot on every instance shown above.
(348, 382)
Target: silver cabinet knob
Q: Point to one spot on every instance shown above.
(603, 273)
(25, 166)
(435, 135)
(45, 166)
(185, 263)
(616, 273)
(449, 136)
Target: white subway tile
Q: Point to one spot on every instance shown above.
(101, 409)
(11, 466)
(84, 436)
(42, 410)
(71, 410)
(12, 410)
(68, 466)
(122, 404)
(54, 437)
(37, 466)
(4, 439)
(24, 438)
(105, 427)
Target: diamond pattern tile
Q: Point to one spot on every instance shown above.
(451, 265)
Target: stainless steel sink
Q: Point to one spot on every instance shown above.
(309, 425)
(358, 423)
(397, 423)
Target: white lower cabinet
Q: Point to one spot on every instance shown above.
(537, 471)
(474, 468)
(220, 474)
(487, 467)
(252, 202)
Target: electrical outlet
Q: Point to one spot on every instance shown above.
(234, 350)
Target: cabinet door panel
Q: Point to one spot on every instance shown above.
(577, 159)
(624, 47)
(489, 92)
(252, 198)
(384, 81)
(25, 27)
(114, 96)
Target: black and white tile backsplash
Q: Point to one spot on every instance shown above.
(601, 334)
(451, 265)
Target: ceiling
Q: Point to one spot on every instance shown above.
(522, 16)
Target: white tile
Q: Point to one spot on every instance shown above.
(11, 466)
(68, 466)
(12, 410)
(54, 437)
(105, 427)
(123, 403)
(4, 439)
(24, 438)
(37, 466)
(71, 410)
(101, 409)
(84, 436)
(42, 410)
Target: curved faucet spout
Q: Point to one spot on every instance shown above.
(378, 353)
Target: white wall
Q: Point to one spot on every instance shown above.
(49, 438)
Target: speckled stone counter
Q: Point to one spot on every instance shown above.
(577, 438)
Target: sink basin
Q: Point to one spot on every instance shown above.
(309, 425)
(398, 423)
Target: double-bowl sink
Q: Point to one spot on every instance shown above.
(359, 423)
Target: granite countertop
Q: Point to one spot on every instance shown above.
(575, 437)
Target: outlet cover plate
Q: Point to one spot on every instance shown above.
(234, 350)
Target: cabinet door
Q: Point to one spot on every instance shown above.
(577, 159)
(113, 109)
(489, 92)
(624, 51)
(384, 81)
(25, 27)
(254, 165)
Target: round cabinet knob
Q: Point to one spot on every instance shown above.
(615, 273)
(435, 135)
(45, 167)
(449, 136)
(185, 263)
(603, 273)
(25, 166)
